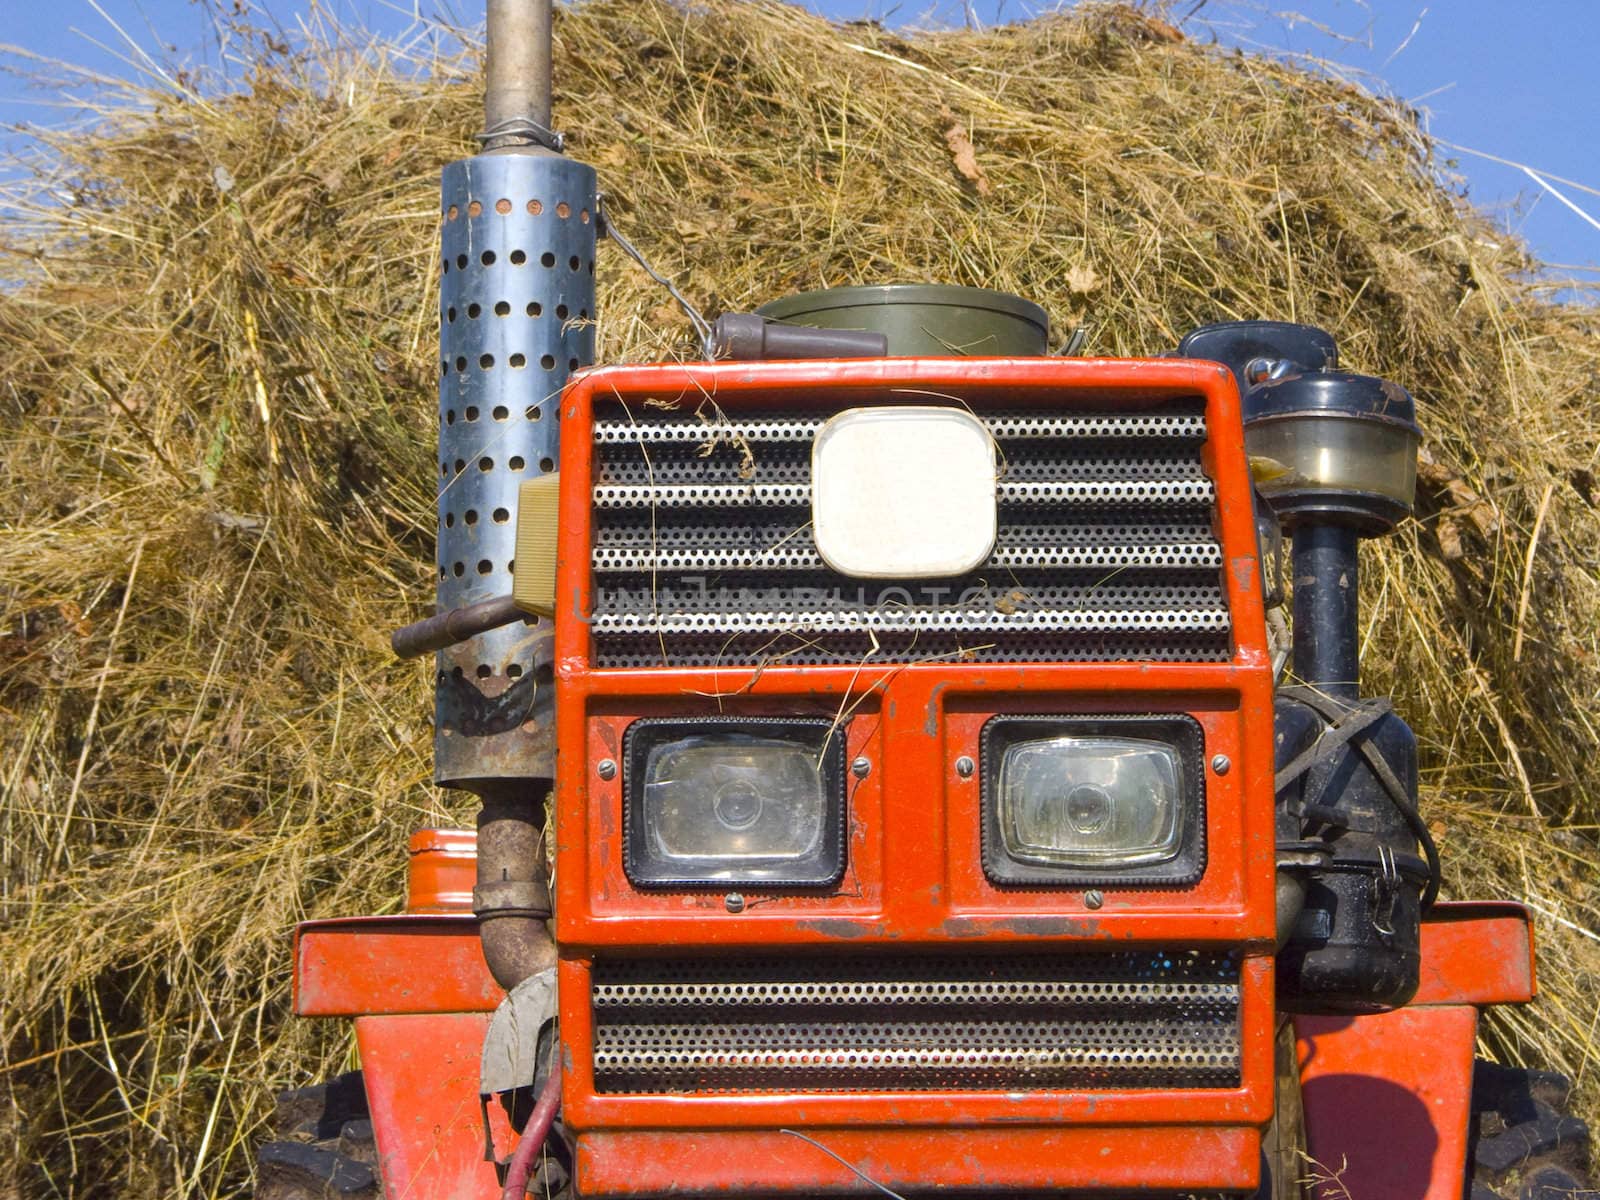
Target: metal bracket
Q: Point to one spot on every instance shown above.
(520, 1046)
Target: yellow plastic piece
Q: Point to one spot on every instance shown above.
(533, 586)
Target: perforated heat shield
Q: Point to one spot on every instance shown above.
(516, 317)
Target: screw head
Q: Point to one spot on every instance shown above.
(1093, 898)
(733, 902)
(861, 767)
(1220, 764)
(965, 767)
(606, 768)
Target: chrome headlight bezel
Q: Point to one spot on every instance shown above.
(1181, 733)
(823, 868)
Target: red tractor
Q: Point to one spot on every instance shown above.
(940, 802)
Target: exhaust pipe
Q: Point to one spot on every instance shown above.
(512, 898)
(516, 317)
(516, 94)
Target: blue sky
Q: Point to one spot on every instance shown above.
(1509, 80)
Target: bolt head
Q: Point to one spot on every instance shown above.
(861, 767)
(1093, 898)
(733, 902)
(965, 767)
(1220, 764)
(606, 768)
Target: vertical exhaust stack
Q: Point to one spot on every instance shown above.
(516, 312)
(517, 75)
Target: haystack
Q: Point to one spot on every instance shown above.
(216, 354)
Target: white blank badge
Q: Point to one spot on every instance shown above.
(903, 493)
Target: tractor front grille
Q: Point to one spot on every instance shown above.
(1088, 1021)
(703, 555)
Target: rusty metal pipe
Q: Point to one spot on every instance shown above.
(517, 88)
(453, 625)
(512, 896)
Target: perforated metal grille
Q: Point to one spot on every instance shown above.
(703, 553)
(1082, 1021)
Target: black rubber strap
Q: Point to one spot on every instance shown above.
(1350, 720)
(1343, 726)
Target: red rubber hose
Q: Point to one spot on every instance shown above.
(533, 1136)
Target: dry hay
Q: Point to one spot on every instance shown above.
(218, 419)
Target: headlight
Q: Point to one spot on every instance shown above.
(734, 801)
(1109, 800)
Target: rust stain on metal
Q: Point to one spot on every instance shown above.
(843, 927)
(1024, 926)
(931, 726)
(1244, 572)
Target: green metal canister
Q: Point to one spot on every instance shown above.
(925, 319)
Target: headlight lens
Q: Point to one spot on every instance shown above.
(725, 801)
(1113, 799)
(1087, 801)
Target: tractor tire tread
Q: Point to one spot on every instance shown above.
(1553, 1183)
(1524, 1145)
(323, 1146)
(322, 1109)
(356, 1140)
(301, 1171)
(1520, 1143)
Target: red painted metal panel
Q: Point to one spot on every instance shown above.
(776, 1162)
(421, 1074)
(1387, 1101)
(932, 889)
(915, 877)
(1475, 953)
(1248, 1104)
(417, 964)
(442, 870)
(1219, 907)
(624, 913)
(915, 874)
(1017, 383)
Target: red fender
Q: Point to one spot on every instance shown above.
(1388, 1097)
